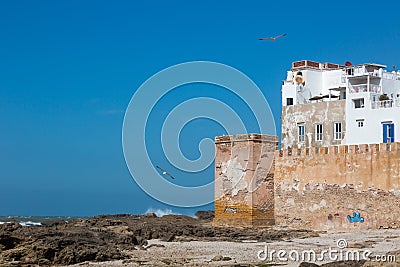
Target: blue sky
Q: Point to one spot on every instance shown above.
(69, 68)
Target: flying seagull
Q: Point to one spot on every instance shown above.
(272, 38)
(164, 172)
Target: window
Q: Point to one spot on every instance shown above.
(388, 132)
(360, 123)
(289, 101)
(318, 132)
(337, 131)
(301, 134)
(358, 103)
(350, 71)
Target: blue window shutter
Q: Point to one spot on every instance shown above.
(384, 125)
(391, 132)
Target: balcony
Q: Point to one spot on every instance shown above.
(385, 104)
(391, 75)
(363, 72)
(363, 88)
(358, 71)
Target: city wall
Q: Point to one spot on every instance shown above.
(338, 187)
(345, 187)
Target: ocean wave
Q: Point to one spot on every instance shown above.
(30, 223)
(160, 212)
(26, 223)
(36, 220)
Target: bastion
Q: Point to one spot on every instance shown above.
(244, 187)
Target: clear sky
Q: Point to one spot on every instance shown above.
(69, 68)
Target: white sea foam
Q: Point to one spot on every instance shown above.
(30, 223)
(160, 212)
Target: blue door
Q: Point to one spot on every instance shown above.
(388, 132)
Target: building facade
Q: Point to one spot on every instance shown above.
(326, 104)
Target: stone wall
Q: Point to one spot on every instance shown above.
(325, 113)
(346, 187)
(338, 187)
(244, 184)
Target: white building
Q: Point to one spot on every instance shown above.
(366, 108)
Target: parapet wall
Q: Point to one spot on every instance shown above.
(338, 187)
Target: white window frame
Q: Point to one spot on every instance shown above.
(337, 135)
(301, 136)
(319, 131)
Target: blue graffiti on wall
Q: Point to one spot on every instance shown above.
(356, 218)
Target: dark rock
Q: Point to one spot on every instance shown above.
(10, 227)
(54, 222)
(204, 214)
(345, 264)
(335, 264)
(8, 242)
(107, 237)
(170, 238)
(217, 258)
(155, 245)
(308, 264)
(149, 215)
(221, 258)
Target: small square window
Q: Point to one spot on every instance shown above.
(350, 71)
(358, 103)
(360, 123)
(289, 101)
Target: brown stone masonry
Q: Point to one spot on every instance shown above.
(244, 180)
(320, 188)
(338, 187)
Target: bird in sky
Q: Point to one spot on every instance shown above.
(164, 172)
(273, 38)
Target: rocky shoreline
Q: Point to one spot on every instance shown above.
(171, 240)
(113, 237)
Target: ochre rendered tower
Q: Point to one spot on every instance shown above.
(244, 181)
